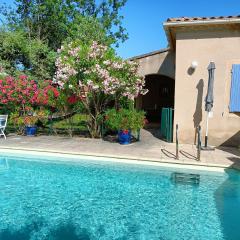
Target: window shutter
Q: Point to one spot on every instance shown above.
(235, 89)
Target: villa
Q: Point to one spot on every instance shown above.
(177, 77)
(97, 147)
(75, 188)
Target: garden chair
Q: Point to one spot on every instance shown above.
(3, 124)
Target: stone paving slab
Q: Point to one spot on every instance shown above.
(149, 148)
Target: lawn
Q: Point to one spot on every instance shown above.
(77, 121)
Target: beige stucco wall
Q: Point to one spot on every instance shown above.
(203, 46)
(162, 63)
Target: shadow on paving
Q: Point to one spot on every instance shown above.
(168, 154)
(183, 153)
(155, 132)
(188, 155)
(231, 150)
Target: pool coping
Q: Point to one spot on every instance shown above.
(198, 165)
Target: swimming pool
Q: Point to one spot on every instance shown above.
(85, 200)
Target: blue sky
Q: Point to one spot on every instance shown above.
(143, 20)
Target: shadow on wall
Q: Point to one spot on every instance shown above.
(167, 68)
(227, 202)
(190, 71)
(197, 116)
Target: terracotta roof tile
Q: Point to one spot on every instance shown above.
(192, 19)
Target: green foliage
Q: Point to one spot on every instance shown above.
(35, 29)
(20, 121)
(124, 119)
(54, 21)
(88, 29)
(65, 107)
(39, 60)
(17, 122)
(20, 54)
(6, 109)
(78, 121)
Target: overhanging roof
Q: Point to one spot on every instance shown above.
(194, 19)
(149, 54)
(172, 24)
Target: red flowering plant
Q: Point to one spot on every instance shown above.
(23, 97)
(21, 92)
(73, 99)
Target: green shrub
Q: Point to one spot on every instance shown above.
(124, 119)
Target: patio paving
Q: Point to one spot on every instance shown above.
(149, 148)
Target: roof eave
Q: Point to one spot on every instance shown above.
(149, 54)
(168, 25)
(201, 22)
(171, 41)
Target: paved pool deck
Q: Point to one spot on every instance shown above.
(150, 148)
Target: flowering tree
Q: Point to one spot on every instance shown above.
(96, 76)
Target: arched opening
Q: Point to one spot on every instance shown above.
(161, 95)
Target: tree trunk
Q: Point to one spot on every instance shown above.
(94, 128)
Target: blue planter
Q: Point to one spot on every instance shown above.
(31, 131)
(124, 136)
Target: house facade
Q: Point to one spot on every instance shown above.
(174, 83)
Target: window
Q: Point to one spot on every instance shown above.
(235, 89)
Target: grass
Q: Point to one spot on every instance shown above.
(77, 121)
(77, 124)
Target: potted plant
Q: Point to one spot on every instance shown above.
(125, 121)
(27, 122)
(30, 125)
(39, 116)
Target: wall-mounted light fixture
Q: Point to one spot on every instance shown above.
(194, 65)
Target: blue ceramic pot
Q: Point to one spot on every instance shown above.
(31, 131)
(124, 136)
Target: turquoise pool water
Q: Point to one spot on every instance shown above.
(95, 200)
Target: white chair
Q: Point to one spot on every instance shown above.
(3, 124)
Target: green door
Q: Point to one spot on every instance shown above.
(167, 124)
